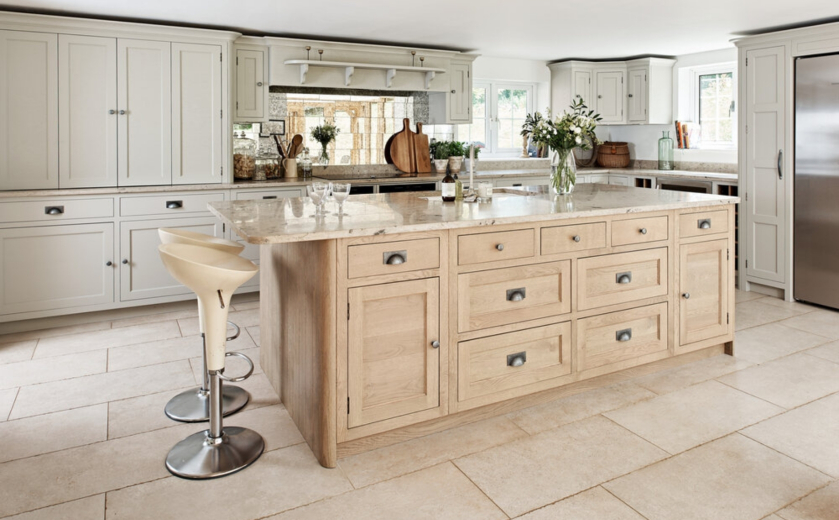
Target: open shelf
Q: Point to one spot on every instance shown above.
(349, 69)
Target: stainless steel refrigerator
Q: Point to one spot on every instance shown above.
(816, 204)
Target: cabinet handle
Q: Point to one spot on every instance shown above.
(269, 197)
(517, 185)
(516, 295)
(109, 263)
(643, 231)
(623, 277)
(54, 210)
(623, 335)
(112, 112)
(124, 261)
(704, 223)
(395, 257)
(258, 83)
(686, 296)
(122, 112)
(577, 238)
(174, 204)
(517, 359)
(780, 161)
(499, 247)
(435, 344)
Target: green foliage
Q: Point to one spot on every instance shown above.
(325, 133)
(457, 149)
(530, 122)
(439, 149)
(571, 130)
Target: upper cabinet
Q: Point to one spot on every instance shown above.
(251, 84)
(622, 92)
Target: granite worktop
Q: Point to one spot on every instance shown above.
(293, 220)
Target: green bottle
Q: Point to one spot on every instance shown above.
(458, 188)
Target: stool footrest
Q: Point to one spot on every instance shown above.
(236, 334)
(236, 379)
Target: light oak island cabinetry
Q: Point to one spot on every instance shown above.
(374, 335)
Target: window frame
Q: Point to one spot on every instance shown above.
(491, 120)
(717, 68)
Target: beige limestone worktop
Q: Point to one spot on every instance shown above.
(292, 220)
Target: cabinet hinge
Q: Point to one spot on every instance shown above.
(621, 81)
(348, 311)
(747, 129)
(747, 196)
(348, 405)
(237, 61)
(221, 113)
(747, 264)
(237, 105)
(223, 228)
(747, 62)
(726, 319)
(728, 254)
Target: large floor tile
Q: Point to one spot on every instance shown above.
(563, 411)
(744, 296)
(17, 351)
(189, 310)
(695, 415)
(808, 434)
(533, 472)
(60, 345)
(796, 307)
(385, 463)
(821, 322)
(733, 478)
(439, 492)
(162, 351)
(788, 382)
(140, 414)
(828, 351)
(248, 318)
(819, 505)
(772, 341)
(101, 388)
(90, 508)
(594, 504)
(691, 374)
(56, 331)
(7, 399)
(254, 334)
(278, 481)
(53, 432)
(55, 368)
(755, 312)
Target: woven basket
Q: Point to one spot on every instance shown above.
(613, 155)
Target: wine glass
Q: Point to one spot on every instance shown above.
(340, 191)
(317, 192)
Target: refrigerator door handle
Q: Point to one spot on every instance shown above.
(780, 160)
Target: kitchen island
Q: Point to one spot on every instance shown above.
(408, 315)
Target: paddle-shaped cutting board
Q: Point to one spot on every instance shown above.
(421, 151)
(402, 148)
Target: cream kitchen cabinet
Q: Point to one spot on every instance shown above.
(454, 106)
(704, 280)
(609, 101)
(251, 70)
(28, 110)
(636, 96)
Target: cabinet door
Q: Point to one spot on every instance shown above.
(250, 85)
(142, 274)
(703, 288)
(618, 180)
(196, 114)
(28, 110)
(56, 267)
(460, 101)
(144, 97)
(610, 96)
(637, 96)
(87, 111)
(393, 368)
(582, 86)
(765, 135)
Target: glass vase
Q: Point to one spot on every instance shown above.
(323, 158)
(665, 152)
(563, 172)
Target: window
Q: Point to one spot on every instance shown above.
(714, 93)
(498, 111)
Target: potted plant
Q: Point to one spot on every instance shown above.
(324, 134)
(440, 154)
(561, 135)
(456, 152)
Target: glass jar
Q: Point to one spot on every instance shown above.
(267, 166)
(305, 164)
(244, 155)
(665, 152)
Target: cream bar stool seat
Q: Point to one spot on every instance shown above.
(193, 405)
(212, 275)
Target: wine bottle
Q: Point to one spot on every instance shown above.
(448, 187)
(458, 188)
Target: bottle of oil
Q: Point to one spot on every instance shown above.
(449, 188)
(458, 188)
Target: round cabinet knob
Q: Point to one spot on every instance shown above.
(686, 296)
(643, 231)
(630, 95)
(500, 247)
(124, 261)
(109, 263)
(258, 83)
(435, 344)
(112, 112)
(577, 238)
(453, 91)
(122, 112)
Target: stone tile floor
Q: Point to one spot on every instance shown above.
(83, 436)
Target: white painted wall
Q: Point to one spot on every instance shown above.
(643, 139)
(516, 70)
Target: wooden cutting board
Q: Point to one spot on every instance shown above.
(421, 151)
(402, 148)
(388, 158)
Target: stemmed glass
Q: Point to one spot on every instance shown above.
(340, 191)
(317, 192)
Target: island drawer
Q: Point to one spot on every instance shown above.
(639, 230)
(500, 363)
(499, 245)
(579, 237)
(169, 204)
(620, 336)
(502, 296)
(56, 209)
(703, 223)
(393, 257)
(621, 277)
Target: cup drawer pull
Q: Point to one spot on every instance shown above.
(174, 204)
(395, 257)
(704, 223)
(623, 278)
(623, 335)
(266, 197)
(516, 295)
(516, 360)
(54, 210)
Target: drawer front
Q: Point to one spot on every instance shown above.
(393, 257)
(622, 277)
(492, 247)
(703, 223)
(567, 239)
(502, 296)
(499, 363)
(621, 336)
(56, 210)
(639, 230)
(169, 205)
(269, 194)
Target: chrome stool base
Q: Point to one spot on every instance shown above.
(201, 457)
(193, 405)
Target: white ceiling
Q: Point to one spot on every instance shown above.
(537, 29)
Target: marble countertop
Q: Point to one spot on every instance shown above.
(293, 220)
(684, 174)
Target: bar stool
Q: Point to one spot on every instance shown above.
(192, 405)
(212, 275)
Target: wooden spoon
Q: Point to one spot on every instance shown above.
(296, 146)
